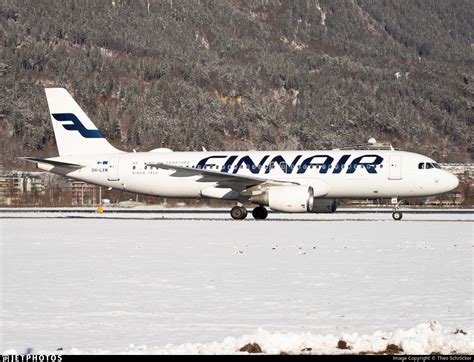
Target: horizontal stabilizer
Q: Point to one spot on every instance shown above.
(52, 162)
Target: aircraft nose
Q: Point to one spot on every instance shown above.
(451, 182)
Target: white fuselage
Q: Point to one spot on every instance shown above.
(333, 174)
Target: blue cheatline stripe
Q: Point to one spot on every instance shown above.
(76, 125)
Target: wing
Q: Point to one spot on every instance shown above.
(235, 181)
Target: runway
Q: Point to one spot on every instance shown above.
(208, 214)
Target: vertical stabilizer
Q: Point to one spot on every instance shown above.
(74, 131)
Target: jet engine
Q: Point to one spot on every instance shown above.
(287, 198)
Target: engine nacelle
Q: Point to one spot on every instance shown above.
(287, 198)
(324, 206)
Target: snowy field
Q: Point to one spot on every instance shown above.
(150, 283)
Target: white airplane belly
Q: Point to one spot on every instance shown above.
(164, 185)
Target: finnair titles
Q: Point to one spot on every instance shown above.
(323, 162)
(288, 181)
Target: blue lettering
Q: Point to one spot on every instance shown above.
(369, 166)
(285, 167)
(248, 161)
(228, 164)
(308, 162)
(340, 164)
(203, 163)
(324, 163)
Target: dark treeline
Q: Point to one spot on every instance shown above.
(248, 74)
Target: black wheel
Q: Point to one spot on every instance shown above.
(238, 212)
(260, 213)
(397, 215)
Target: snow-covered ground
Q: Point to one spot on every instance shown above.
(211, 286)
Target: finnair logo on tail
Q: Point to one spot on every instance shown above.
(77, 125)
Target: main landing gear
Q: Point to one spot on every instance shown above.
(397, 215)
(240, 213)
(259, 213)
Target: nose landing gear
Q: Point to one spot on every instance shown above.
(397, 215)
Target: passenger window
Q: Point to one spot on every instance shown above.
(429, 165)
(421, 165)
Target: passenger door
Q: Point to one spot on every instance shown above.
(113, 171)
(395, 170)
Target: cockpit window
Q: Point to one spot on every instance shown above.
(423, 165)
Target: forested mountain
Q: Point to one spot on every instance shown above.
(242, 74)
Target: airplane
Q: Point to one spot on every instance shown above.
(287, 181)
